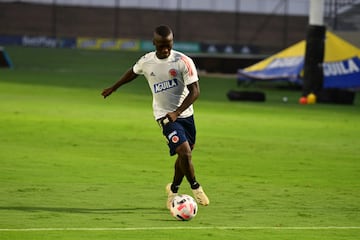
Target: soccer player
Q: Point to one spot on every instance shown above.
(173, 80)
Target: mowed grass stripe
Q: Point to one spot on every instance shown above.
(181, 228)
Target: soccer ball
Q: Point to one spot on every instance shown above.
(183, 207)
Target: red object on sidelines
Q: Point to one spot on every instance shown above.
(303, 100)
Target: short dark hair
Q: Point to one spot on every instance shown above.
(163, 30)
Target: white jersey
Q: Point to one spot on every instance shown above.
(167, 79)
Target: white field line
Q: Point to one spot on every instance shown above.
(177, 228)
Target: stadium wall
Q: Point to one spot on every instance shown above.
(269, 33)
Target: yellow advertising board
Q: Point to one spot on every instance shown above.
(108, 44)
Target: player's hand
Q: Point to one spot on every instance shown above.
(106, 92)
(172, 116)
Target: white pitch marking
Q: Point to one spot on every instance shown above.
(176, 228)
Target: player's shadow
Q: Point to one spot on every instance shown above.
(125, 210)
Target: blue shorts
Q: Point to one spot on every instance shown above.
(182, 130)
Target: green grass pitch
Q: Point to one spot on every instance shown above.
(76, 166)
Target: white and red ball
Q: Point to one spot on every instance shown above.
(183, 207)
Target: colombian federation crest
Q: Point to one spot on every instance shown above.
(173, 73)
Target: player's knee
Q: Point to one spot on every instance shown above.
(185, 156)
(184, 152)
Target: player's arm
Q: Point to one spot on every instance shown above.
(128, 76)
(194, 93)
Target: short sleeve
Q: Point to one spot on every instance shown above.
(189, 70)
(138, 67)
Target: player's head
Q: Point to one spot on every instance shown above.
(163, 41)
